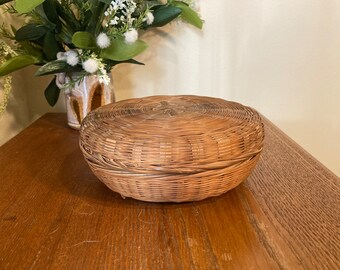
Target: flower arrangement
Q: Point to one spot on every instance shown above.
(83, 37)
(5, 81)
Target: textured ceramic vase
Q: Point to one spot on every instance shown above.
(84, 97)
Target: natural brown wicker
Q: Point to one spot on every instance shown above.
(172, 148)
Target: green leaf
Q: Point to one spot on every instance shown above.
(84, 40)
(24, 6)
(85, 21)
(155, 5)
(54, 67)
(30, 32)
(112, 63)
(51, 46)
(17, 62)
(97, 15)
(133, 61)
(164, 15)
(52, 93)
(120, 51)
(65, 37)
(50, 9)
(4, 1)
(188, 14)
(68, 16)
(106, 1)
(32, 49)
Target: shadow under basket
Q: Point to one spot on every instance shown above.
(172, 148)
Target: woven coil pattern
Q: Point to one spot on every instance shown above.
(172, 148)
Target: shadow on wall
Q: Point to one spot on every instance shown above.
(121, 82)
(34, 87)
(151, 79)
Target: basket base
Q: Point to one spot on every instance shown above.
(179, 188)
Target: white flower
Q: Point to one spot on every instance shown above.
(131, 6)
(131, 36)
(72, 58)
(104, 79)
(117, 4)
(130, 20)
(90, 65)
(61, 56)
(60, 80)
(149, 18)
(103, 41)
(114, 21)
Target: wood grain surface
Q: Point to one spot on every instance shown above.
(54, 213)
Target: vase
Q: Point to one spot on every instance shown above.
(85, 96)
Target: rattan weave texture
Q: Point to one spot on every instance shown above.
(172, 148)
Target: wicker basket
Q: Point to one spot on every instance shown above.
(172, 148)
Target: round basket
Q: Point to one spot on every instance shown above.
(172, 148)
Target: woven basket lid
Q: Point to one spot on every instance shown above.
(171, 134)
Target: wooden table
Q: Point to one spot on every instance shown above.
(55, 214)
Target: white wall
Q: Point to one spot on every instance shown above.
(281, 57)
